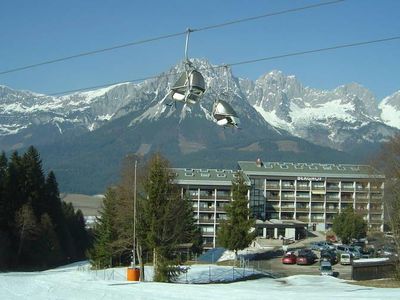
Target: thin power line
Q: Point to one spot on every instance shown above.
(167, 36)
(267, 15)
(356, 44)
(316, 50)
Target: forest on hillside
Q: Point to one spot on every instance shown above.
(37, 229)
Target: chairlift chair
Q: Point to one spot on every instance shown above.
(191, 85)
(189, 88)
(225, 115)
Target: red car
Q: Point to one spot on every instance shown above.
(289, 258)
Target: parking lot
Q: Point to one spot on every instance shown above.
(271, 261)
(275, 266)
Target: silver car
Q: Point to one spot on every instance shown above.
(326, 268)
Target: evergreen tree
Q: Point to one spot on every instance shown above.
(34, 181)
(13, 188)
(51, 253)
(348, 225)
(168, 219)
(36, 230)
(3, 200)
(101, 255)
(234, 233)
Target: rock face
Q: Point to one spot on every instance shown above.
(88, 133)
(343, 118)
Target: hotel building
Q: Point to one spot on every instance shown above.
(302, 193)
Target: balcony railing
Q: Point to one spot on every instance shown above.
(287, 208)
(287, 187)
(206, 221)
(302, 208)
(347, 199)
(272, 186)
(317, 208)
(332, 210)
(376, 221)
(317, 199)
(205, 208)
(362, 199)
(347, 188)
(318, 187)
(333, 199)
(303, 187)
(272, 208)
(332, 187)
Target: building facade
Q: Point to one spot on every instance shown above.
(209, 190)
(311, 194)
(314, 193)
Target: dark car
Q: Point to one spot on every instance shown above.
(289, 258)
(303, 259)
(306, 257)
(329, 255)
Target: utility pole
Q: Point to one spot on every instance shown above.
(134, 220)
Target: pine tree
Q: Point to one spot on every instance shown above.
(168, 219)
(34, 181)
(51, 253)
(234, 233)
(3, 200)
(14, 197)
(101, 255)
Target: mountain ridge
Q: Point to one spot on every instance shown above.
(90, 132)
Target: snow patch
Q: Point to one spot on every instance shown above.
(390, 115)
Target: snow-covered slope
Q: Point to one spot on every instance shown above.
(77, 282)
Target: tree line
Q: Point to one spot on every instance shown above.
(37, 229)
(164, 221)
(165, 225)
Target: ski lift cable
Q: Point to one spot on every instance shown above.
(166, 36)
(292, 54)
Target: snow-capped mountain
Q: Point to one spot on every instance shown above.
(341, 118)
(338, 118)
(88, 133)
(390, 107)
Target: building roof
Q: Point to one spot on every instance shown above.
(309, 170)
(217, 177)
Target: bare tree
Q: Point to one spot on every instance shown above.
(389, 162)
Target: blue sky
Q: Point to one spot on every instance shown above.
(36, 31)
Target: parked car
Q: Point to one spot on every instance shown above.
(329, 245)
(306, 257)
(326, 268)
(342, 249)
(328, 255)
(354, 252)
(318, 246)
(289, 258)
(322, 245)
(346, 259)
(386, 251)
